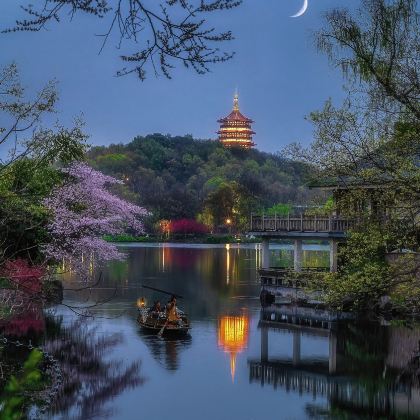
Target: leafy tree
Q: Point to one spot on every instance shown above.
(370, 146)
(223, 203)
(365, 277)
(27, 172)
(22, 215)
(163, 33)
(21, 131)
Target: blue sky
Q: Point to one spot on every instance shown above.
(280, 76)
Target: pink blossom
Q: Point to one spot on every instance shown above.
(84, 210)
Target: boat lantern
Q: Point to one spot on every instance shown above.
(141, 302)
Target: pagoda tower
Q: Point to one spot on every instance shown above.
(235, 129)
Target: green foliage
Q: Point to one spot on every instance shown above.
(128, 238)
(4, 282)
(5, 311)
(279, 209)
(324, 210)
(365, 276)
(114, 162)
(62, 145)
(23, 186)
(20, 191)
(18, 391)
(225, 239)
(179, 177)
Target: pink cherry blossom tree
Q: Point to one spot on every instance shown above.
(83, 210)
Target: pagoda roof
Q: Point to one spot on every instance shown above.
(235, 115)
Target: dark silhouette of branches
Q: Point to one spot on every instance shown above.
(21, 131)
(90, 379)
(170, 31)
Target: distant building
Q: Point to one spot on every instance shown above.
(235, 129)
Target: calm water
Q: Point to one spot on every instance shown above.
(237, 362)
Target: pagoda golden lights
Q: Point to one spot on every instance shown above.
(235, 129)
(233, 337)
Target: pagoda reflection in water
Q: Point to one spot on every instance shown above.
(233, 335)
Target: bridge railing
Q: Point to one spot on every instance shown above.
(299, 224)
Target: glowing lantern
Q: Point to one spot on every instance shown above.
(141, 303)
(165, 227)
(233, 337)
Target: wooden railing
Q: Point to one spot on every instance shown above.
(299, 224)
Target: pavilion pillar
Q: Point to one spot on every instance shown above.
(333, 255)
(332, 359)
(296, 348)
(297, 255)
(265, 251)
(264, 344)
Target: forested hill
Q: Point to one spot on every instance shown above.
(180, 177)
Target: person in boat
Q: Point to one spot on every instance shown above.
(171, 311)
(156, 310)
(156, 307)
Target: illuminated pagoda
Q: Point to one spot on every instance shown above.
(235, 129)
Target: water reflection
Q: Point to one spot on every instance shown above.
(308, 367)
(360, 371)
(91, 379)
(233, 334)
(166, 350)
(227, 264)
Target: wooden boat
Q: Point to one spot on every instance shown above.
(153, 322)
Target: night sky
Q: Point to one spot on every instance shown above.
(279, 74)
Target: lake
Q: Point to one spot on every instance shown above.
(239, 362)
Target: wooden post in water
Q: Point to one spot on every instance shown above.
(333, 255)
(332, 356)
(296, 348)
(297, 255)
(265, 250)
(264, 344)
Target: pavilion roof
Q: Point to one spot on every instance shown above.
(235, 115)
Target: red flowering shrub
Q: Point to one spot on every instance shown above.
(20, 326)
(20, 299)
(22, 276)
(187, 226)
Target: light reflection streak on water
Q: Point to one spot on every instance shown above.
(227, 264)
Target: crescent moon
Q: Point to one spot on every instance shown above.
(302, 9)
